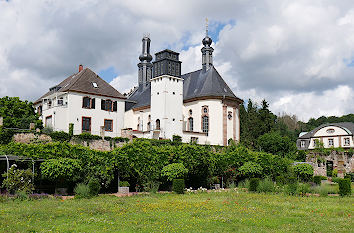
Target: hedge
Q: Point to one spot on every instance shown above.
(345, 188)
(178, 186)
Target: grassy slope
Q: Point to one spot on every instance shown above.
(212, 212)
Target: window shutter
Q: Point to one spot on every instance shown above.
(83, 102)
(103, 104)
(114, 106)
(93, 103)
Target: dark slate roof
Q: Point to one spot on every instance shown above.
(140, 98)
(82, 82)
(197, 84)
(346, 125)
(203, 83)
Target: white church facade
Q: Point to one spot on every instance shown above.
(198, 106)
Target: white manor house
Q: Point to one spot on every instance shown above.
(198, 106)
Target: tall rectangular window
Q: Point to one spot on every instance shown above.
(330, 142)
(205, 125)
(109, 105)
(88, 102)
(86, 124)
(346, 141)
(190, 122)
(108, 125)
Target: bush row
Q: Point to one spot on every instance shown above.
(141, 162)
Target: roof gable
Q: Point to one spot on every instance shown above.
(82, 82)
(203, 83)
(347, 126)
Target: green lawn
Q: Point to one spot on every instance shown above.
(203, 212)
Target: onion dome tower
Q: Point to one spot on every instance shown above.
(145, 65)
(207, 50)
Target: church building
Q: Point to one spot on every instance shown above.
(198, 106)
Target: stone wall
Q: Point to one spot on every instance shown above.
(31, 138)
(101, 145)
(342, 161)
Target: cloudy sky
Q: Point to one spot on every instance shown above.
(298, 55)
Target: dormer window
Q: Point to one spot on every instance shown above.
(330, 131)
(94, 85)
(302, 144)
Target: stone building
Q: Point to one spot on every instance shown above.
(330, 146)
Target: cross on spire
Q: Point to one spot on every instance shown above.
(206, 26)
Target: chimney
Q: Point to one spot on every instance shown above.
(80, 68)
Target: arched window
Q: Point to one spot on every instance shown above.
(190, 112)
(148, 126)
(158, 124)
(205, 124)
(190, 123)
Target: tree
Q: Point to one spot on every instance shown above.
(174, 171)
(255, 122)
(17, 113)
(275, 144)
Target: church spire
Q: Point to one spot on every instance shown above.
(145, 66)
(207, 50)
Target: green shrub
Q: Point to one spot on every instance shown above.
(94, 186)
(60, 136)
(6, 135)
(317, 180)
(152, 187)
(178, 186)
(336, 179)
(61, 169)
(335, 173)
(280, 180)
(82, 191)
(17, 180)
(21, 195)
(266, 186)
(176, 138)
(124, 184)
(292, 186)
(174, 171)
(303, 171)
(251, 170)
(120, 139)
(47, 130)
(349, 176)
(88, 137)
(254, 182)
(345, 188)
(326, 189)
(303, 188)
(244, 184)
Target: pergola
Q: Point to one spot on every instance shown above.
(9, 158)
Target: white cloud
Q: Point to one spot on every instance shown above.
(334, 102)
(277, 50)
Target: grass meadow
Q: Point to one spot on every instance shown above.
(196, 212)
